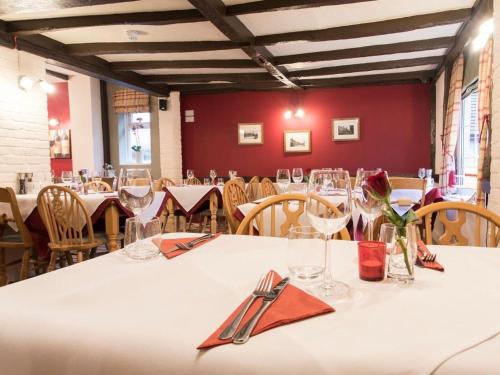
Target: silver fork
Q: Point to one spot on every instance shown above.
(427, 257)
(263, 286)
(189, 245)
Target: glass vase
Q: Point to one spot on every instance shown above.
(403, 255)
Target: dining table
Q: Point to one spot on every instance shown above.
(113, 315)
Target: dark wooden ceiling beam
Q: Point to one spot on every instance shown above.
(183, 64)
(55, 53)
(89, 49)
(37, 26)
(199, 78)
(277, 5)
(215, 87)
(12, 6)
(62, 76)
(236, 31)
(379, 65)
(382, 49)
(396, 25)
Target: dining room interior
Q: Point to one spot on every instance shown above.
(249, 186)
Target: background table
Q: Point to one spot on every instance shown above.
(111, 315)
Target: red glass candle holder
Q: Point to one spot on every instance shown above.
(371, 258)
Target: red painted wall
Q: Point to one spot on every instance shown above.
(58, 107)
(394, 129)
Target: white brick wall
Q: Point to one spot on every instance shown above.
(170, 138)
(24, 145)
(494, 202)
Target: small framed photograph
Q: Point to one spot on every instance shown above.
(345, 129)
(297, 140)
(250, 134)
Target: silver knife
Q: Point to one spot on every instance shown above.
(243, 334)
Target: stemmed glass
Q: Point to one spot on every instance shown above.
(334, 187)
(135, 189)
(67, 177)
(213, 175)
(189, 174)
(233, 174)
(366, 204)
(283, 179)
(297, 175)
(421, 173)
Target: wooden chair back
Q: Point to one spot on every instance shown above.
(254, 222)
(162, 183)
(398, 183)
(253, 189)
(97, 186)
(267, 188)
(193, 181)
(232, 197)
(240, 181)
(8, 196)
(453, 228)
(65, 217)
(140, 181)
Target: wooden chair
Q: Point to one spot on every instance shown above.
(97, 186)
(21, 240)
(254, 220)
(398, 183)
(267, 188)
(453, 228)
(169, 208)
(193, 181)
(66, 218)
(160, 184)
(139, 181)
(241, 181)
(233, 196)
(252, 189)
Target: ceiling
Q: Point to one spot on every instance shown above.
(219, 45)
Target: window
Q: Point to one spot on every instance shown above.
(135, 138)
(467, 151)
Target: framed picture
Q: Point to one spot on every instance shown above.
(250, 134)
(297, 141)
(60, 143)
(345, 129)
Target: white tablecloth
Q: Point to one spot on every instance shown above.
(189, 196)
(110, 315)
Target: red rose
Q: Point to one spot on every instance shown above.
(378, 186)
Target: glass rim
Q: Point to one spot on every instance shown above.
(371, 244)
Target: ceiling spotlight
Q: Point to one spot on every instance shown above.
(288, 114)
(25, 83)
(47, 87)
(299, 113)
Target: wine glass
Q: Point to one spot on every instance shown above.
(421, 173)
(213, 175)
(96, 176)
(189, 174)
(368, 206)
(233, 174)
(297, 175)
(135, 189)
(67, 177)
(334, 187)
(283, 179)
(139, 238)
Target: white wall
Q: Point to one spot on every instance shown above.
(86, 125)
(24, 145)
(494, 201)
(170, 138)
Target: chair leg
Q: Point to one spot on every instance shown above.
(3, 271)
(69, 258)
(25, 264)
(204, 224)
(52, 263)
(92, 252)
(79, 256)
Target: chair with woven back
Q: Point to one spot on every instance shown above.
(267, 188)
(66, 220)
(452, 215)
(253, 189)
(262, 219)
(16, 241)
(233, 196)
(97, 186)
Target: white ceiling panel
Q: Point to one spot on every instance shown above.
(201, 71)
(347, 14)
(294, 48)
(364, 60)
(373, 72)
(128, 7)
(181, 32)
(203, 55)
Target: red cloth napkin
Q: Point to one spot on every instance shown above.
(431, 265)
(167, 244)
(292, 305)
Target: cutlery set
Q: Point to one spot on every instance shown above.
(189, 245)
(264, 290)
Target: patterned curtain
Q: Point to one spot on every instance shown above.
(125, 101)
(484, 110)
(452, 121)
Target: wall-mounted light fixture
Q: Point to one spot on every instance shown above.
(485, 30)
(54, 122)
(25, 83)
(297, 112)
(47, 87)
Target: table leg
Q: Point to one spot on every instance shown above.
(111, 216)
(214, 203)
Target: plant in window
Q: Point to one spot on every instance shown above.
(135, 127)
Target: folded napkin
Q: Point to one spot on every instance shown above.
(292, 305)
(167, 244)
(431, 265)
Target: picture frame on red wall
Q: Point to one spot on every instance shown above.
(251, 134)
(297, 141)
(345, 129)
